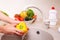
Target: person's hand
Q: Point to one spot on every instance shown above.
(13, 21)
(10, 29)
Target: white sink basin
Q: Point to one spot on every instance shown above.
(37, 34)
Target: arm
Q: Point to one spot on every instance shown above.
(6, 18)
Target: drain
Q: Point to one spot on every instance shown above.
(38, 32)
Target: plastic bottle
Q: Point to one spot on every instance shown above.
(52, 16)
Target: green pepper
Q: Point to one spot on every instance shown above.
(30, 13)
(28, 18)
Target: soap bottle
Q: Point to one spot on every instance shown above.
(52, 17)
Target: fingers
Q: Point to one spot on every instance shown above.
(27, 28)
(14, 25)
(16, 22)
(18, 32)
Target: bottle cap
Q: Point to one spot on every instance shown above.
(53, 7)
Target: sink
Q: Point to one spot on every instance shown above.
(37, 34)
(33, 34)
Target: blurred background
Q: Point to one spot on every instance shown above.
(15, 6)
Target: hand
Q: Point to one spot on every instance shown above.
(10, 29)
(13, 21)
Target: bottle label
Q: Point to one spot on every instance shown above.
(52, 14)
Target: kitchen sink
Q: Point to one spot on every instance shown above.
(33, 34)
(37, 34)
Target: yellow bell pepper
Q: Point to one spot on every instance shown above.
(23, 14)
(22, 26)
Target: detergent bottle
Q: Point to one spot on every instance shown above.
(22, 26)
(52, 16)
